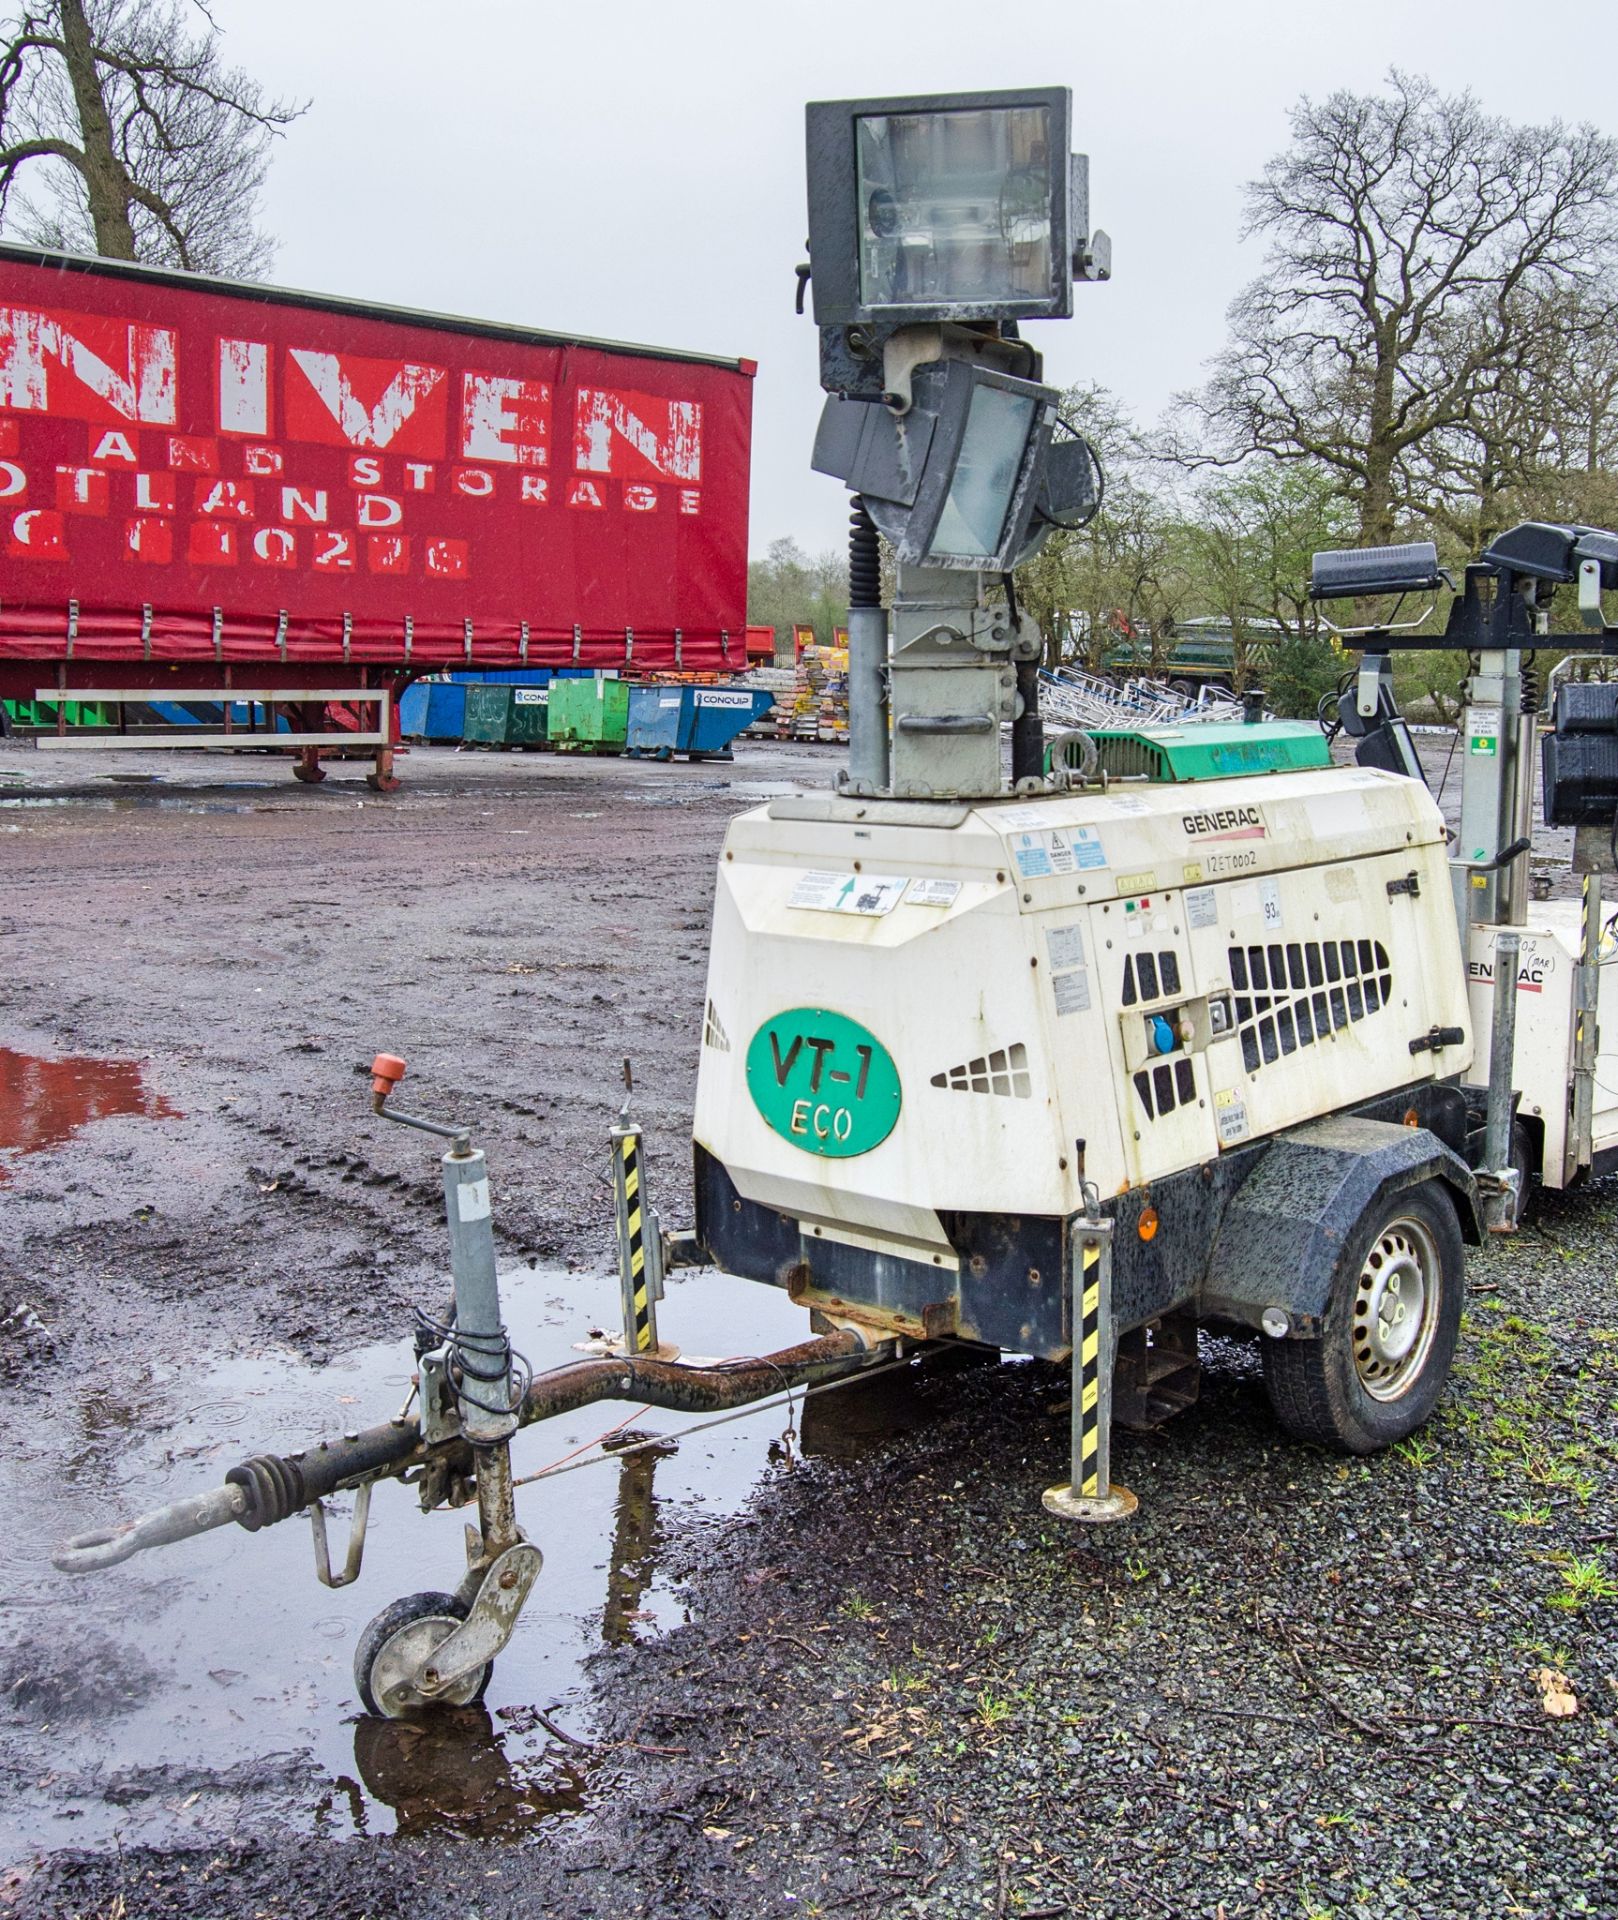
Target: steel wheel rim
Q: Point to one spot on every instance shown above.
(1396, 1308)
(399, 1656)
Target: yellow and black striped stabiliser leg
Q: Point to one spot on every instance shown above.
(1090, 1493)
(1087, 1385)
(640, 1317)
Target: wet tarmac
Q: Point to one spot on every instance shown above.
(197, 1681)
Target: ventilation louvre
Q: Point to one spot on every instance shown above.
(1003, 1072)
(713, 1032)
(1151, 976)
(1290, 994)
(1169, 1084)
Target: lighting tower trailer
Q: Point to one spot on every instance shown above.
(1159, 1028)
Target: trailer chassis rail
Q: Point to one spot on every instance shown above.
(269, 1488)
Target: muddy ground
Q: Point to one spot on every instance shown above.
(876, 1681)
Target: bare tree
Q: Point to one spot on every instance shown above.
(139, 142)
(1122, 576)
(1539, 438)
(789, 588)
(1413, 238)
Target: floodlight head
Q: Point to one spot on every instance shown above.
(1596, 545)
(946, 207)
(1353, 573)
(1543, 550)
(952, 482)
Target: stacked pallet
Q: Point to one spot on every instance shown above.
(819, 709)
(774, 722)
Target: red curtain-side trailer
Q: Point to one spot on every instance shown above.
(204, 482)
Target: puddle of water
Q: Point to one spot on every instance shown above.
(44, 1102)
(142, 802)
(767, 789)
(159, 1702)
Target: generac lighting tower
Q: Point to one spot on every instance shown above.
(937, 225)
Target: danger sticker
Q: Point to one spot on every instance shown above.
(1057, 850)
(933, 893)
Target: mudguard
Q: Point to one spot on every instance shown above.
(1283, 1234)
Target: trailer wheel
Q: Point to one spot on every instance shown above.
(395, 1640)
(1379, 1366)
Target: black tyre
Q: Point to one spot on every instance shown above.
(1526, 1161)
(408, 1629)
(1377, 1370)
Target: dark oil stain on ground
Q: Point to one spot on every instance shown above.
(44, 1102)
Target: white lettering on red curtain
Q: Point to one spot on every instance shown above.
(637, 436)
(344, 400)
(244, 387)
(507, 420)
(82, 368)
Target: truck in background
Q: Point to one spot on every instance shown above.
(210, 489)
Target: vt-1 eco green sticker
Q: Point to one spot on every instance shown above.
(823, 1082)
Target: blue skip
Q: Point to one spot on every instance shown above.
(698, 721)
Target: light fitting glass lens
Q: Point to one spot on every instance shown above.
(974, 516)
(955, 208)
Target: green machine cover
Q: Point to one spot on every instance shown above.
(1212, 750)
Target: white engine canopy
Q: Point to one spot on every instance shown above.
(1109, 986)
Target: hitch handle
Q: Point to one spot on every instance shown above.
(387, 1070)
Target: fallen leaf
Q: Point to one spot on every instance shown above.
(717, 1833)
(1556, 1693)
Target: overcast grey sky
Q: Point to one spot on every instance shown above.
(634, 170)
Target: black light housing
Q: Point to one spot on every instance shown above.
(1351, 573)
(954, 481)
(1543, 550)
(946, 207)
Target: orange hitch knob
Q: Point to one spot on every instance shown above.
(387, 1070)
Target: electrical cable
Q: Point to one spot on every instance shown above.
(483, 1357)
(1078, 526)
(1448, 759)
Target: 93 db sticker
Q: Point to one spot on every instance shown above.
(823, 1082)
